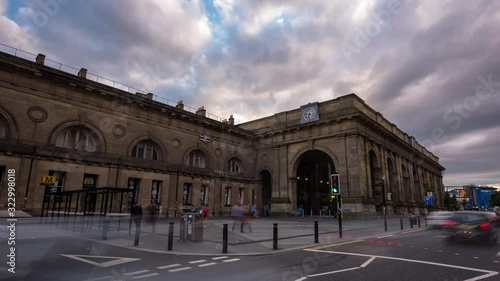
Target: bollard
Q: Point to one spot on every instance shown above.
(401, 221)
(137, 232)
(275, 236)
(316, 240)
(105, 228)
(224, 238)
(418, 221)
(170, 236)
(411, 223)
(425, 218)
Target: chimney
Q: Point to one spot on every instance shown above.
(180, 105)
(231, 120)
(82, 73)
(201, 111)
(40, 59)
(149, 96)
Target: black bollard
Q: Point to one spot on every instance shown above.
(224, 238)
(401, 221)
(316, 240)
(411, 222)
(137, 232)
(275, 236)
(418, 220)
(170, 235)
(105, 228)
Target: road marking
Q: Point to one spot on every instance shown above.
(219, 258)
(168, 266)
(109, 278)
(475, 258)
(331, 272)
(389, 235)
(368, 262)
(179, 269)
(207, 264)
(115, 261)
(335, 244)
(144, 276)
(198, 261)
(489, 273)
(498, 254)
(457, 254)
(231, 260)
(410, 231)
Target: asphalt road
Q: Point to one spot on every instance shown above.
(44, 254)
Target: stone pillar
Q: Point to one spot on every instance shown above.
(82, 73)
(40, 59)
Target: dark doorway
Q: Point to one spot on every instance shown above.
(313, 183)
(267, 188)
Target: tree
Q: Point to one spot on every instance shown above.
(495, 199)
(447, 201)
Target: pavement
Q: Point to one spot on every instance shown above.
(206, 237)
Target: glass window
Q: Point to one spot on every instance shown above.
(234, 165)
(204, 195)
(227, 196)
(155, 192)
(146, 149)
(186, 194)
(79, 138)
(196, 159)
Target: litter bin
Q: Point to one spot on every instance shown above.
(191, 227)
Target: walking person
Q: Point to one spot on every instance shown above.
(253, 211)
(236, 213)
(136, 215)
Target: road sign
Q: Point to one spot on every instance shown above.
(429, 200)
(47, 180)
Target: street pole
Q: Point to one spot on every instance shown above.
(177, 190)
(383, 204)
(33, 154)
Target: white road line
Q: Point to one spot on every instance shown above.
(168, 266)
(144, 276)
(498, 254)
(488, 272)
(219, 258)
(475, 258)
(179, 269)
(231, 260)
(207, 264)
(137, 272)
(367, 262)
(326, 273)
(301, 279)
(198, 261)
(385, 236)
(457, 254)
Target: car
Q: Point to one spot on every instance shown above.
(470, 226)
(493, 218)
(437, 218)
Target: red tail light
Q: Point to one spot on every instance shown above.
(448, 223)
(494, 218)
(484, 225)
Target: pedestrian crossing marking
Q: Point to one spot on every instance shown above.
(112, 262)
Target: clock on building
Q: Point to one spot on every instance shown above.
(309, 113)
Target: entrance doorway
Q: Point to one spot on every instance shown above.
(313, 183)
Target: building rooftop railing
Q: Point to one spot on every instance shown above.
(99, 79)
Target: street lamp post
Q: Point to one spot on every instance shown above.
(221, 193)
(383, 203)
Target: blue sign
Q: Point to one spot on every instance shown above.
(429, 200)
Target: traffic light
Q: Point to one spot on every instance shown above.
(334, 184)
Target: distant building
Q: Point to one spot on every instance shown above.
(82, 134)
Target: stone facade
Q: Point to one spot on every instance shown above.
(56, 122)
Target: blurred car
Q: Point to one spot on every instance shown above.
(471, 226)
(493, 218)
(437, 218)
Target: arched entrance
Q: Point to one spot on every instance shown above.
(313, 184)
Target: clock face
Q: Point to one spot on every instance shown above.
(309, 113)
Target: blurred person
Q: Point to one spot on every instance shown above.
(237, 213)
(136, 214)
(253, 211)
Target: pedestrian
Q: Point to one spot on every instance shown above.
(253, 211)
(160, 210)
(152, 216)
(267, 209)
(236, 213)
(136, 215)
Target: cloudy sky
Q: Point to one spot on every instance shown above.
(431, 67)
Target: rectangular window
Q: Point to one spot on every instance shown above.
(58, 185)
(155, 192)
(204, 195)
(133, 194)
(227, 196)
(241, 198)
(186, 194)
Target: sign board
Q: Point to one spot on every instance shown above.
(47, 180)
(429, 200)
(429, 193)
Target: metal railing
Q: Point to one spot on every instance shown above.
(99, 79)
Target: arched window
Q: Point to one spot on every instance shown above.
(146, 149)
(2, 130)
(233, 165)
(78, 137)
(196, 159)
